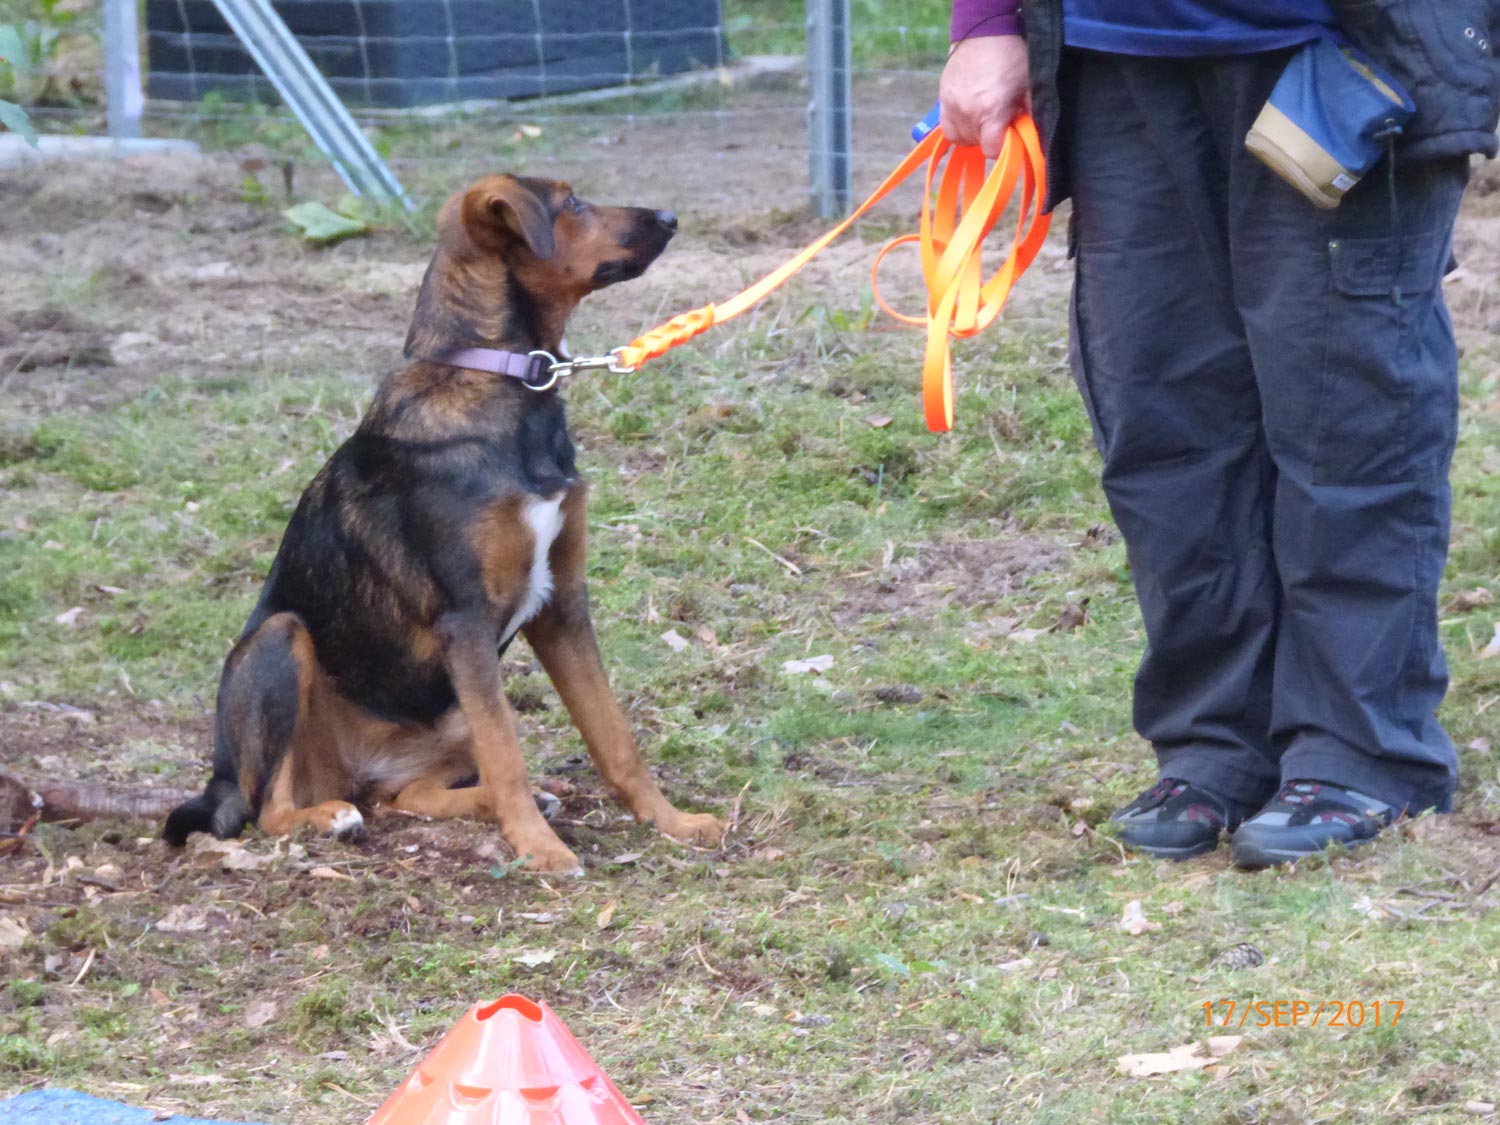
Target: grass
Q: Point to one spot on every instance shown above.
(916, 919)
(882, 32)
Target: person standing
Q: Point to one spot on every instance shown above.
(1273, 389)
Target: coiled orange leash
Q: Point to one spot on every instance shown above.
(960, 207)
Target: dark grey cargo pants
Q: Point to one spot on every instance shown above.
(1274, 392)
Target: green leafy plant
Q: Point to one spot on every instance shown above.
(26, 49)
(14, 118)
(15, 65)
(323, 225)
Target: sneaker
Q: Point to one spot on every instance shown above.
(1176, 819)
(1304, 818)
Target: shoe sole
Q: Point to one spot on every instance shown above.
(1251, 855)
(1157, 851)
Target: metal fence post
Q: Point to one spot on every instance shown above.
(828, 112)
(302, 86)
(122, 69)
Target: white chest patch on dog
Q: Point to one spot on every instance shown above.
(545, 519)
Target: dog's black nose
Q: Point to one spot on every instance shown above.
(667, 219)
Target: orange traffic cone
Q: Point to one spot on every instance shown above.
(508, 1062)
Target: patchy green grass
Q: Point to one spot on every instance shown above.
(915, 918)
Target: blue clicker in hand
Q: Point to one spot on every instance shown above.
(928, 123)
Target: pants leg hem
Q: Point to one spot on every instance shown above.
(1205, 768)
(1348, 767)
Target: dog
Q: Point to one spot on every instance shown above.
(369, 673)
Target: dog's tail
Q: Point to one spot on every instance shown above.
(221, 809)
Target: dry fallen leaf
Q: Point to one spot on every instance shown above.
(675, 640)
(1189, 1056)
(879, 421)
(1134, 922)
(260, 1013)
(1241, 956)
(1073, 616)
(13, 933)
(69, 617)
(1025, 636)
(233, 855)
(1467, 601)
(330, 873)
(606, 916)
(183, 919)
(811, 664)
(536, 957)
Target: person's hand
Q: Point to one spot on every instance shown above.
(986, 82)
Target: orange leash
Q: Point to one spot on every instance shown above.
(961, 206)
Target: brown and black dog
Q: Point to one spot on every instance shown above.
(454, 518)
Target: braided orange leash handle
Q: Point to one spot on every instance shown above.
(960, 207)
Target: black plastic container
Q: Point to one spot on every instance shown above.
(415, 52)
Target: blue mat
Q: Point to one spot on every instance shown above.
(68, 1107)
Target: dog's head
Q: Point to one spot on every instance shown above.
(555, 242)
(515, 256)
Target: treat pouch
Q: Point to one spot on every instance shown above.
(1329, 119)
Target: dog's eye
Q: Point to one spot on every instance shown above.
(574, 204)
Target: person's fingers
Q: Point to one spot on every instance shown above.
(948, 122)
(982, 88)
(991, 137)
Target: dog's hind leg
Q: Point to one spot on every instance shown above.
(244, 729)
(433, 796)
(264, 726)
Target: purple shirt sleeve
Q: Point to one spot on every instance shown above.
(975, 18)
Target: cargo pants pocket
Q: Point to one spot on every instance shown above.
(1389, 394)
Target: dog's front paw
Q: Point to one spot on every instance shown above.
(338, 819)
(551, 859)
(699, 830)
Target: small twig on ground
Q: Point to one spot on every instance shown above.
(1418, 892)
(393, 1029)
(11, 841)
(698, 949)
(732, 823)
(352, 1097)
(88, 963)
(1490, 880)
(788, 563)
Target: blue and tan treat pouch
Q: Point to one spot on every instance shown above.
(1329, 119)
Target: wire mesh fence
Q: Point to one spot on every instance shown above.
(710, 97)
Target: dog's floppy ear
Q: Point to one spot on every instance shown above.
(502, 208)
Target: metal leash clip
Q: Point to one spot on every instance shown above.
(559, 368)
